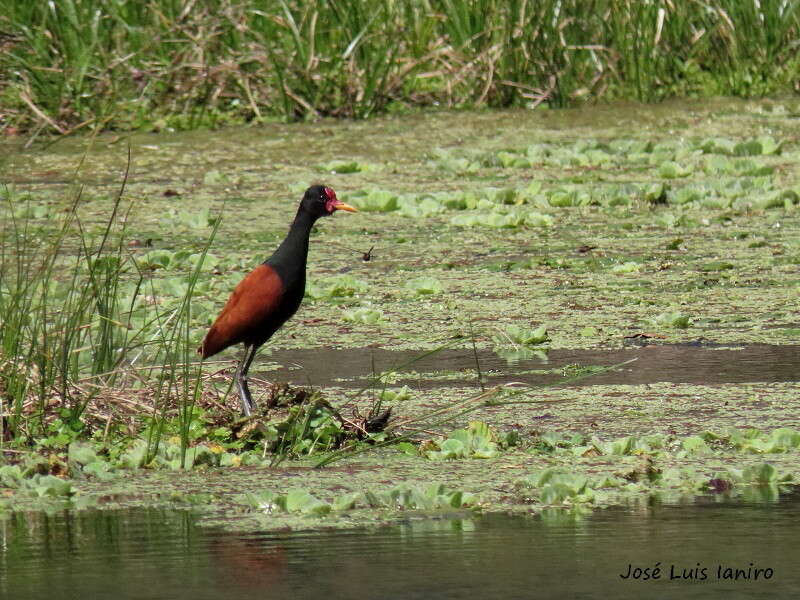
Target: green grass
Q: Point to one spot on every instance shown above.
(113, 64)
(74, 323)
(60, 308)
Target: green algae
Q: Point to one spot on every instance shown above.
(599, 223)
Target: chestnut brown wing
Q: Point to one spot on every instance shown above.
(246, 312)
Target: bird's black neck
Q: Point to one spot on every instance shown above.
(289, 260)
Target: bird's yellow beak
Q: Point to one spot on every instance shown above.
(343, 206)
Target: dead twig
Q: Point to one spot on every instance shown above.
(38, 112)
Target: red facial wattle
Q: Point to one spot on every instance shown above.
(330, 204)
(333, 204)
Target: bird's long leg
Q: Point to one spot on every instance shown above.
(248, 406)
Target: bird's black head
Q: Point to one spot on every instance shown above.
(321, 201)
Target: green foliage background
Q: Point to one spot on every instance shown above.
(193, 63)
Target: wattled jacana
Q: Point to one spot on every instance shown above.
(270, 294)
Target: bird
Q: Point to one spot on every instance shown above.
(271, 293)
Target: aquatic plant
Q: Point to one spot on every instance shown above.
(674, 319)
(363, 314)
(555, 486)
(341, 286)
(341, 166)
(778, 440)
(516, 337)
(402, 498)
(478, 440)
(295, 500)
(424, 286)
(435, 496)
(373, 200)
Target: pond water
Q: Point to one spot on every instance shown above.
(142, 554)
(677, 363)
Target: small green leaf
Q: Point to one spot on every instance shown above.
(672, 170)
(10, 475)
(695, 445)
(769, 145)
(719, 265)
(675, 244)
(365, 314)
(535, 219)
(374, 201)
(298, 500)
(626, 267)
(99, 469)
(214, 177)
(48, 485)
(345, 502)
(676, 320)
(342, 166)
(424, 286)
(81, 453)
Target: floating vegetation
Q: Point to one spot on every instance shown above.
(672, 319)
(363, 314)
(434, 497)
(554, 487)
(373, 200)
(425, 286)
(514, 342)
(478, 440)
(335, 288)
(342, 166)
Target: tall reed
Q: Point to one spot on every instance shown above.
(57, 313)
(71, 319)
(113, 63)
(178, 372)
